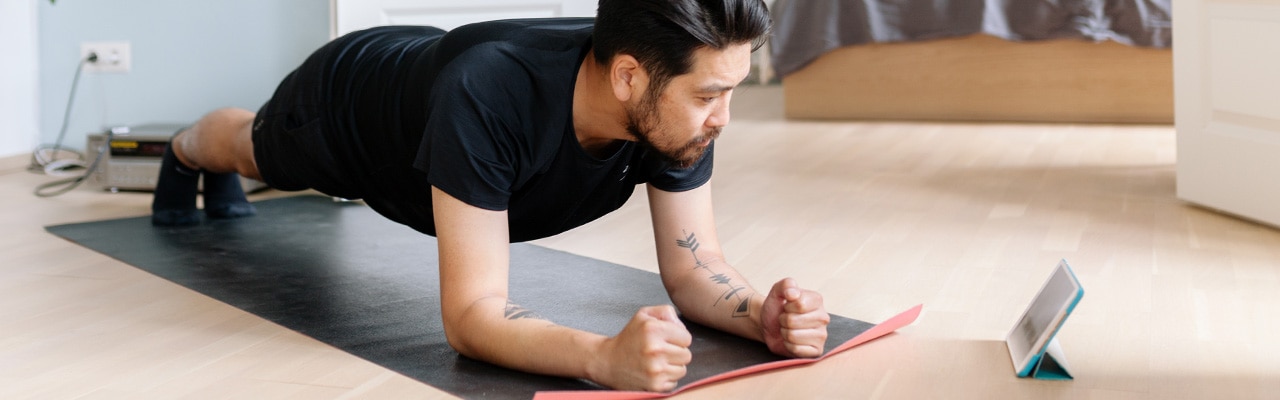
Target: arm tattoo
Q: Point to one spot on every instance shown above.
(514, 311)
(731, 291)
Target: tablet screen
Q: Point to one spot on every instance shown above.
(1043, 317)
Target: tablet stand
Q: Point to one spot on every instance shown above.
(1052, 364)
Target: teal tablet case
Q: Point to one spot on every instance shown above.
(1051, 363)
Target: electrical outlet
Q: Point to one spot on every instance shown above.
(112, 56)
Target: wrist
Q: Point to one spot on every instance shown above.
(755, 315)
(597, 366)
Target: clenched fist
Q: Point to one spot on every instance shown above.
(794, 321)
(649, 354)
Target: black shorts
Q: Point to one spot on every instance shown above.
(293, 132)
(306, 135)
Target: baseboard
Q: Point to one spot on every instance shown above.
(17, 162)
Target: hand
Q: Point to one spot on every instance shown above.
(649, 354)
(794, 321)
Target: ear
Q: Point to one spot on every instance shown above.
(627, 77)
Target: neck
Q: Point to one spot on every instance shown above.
(599, 119)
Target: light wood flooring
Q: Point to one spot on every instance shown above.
(968, 219)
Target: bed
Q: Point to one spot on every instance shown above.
(1078, 61)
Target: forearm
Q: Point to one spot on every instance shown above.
(713, 293)
(707, 290)
(479, 321)
(704, 287)
(496, 331)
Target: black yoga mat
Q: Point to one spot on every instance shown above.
(342, 274)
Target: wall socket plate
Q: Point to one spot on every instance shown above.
(112, 56)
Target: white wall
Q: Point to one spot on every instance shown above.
(18, 77)
(188, 58)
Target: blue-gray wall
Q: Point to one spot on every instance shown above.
(189, 57)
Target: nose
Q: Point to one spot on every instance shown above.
(720, 116)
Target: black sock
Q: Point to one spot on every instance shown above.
(224, 198)
(174, 203)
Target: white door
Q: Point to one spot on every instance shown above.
(351, 15)
(1227, 98)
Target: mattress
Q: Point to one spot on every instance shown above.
(806, 29)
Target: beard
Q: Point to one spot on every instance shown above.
(644, 124)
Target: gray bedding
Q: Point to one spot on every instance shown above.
(806, 29)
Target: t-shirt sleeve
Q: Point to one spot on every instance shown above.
(469, 148)
(684, 179)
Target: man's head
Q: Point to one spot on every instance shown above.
(686, 57)
(663, 34)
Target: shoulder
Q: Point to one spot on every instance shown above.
(513, 56)
(514, 39)
(549, 30)
(524, 69)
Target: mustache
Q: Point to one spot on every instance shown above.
(713, 134)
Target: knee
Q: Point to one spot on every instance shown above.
(224, 118)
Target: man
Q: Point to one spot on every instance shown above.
(515, 130)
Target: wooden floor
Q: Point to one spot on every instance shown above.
(968, 219)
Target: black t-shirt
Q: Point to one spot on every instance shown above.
(485, 114)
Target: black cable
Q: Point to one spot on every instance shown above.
(37, 163)
(62, 132)
(73, 182)
(66, 114)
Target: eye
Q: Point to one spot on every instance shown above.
(709, 100)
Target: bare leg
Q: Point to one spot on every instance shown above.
(217, 148)
(219, 143)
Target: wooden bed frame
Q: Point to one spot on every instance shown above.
(984, 78)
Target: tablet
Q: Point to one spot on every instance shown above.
(1031, 336)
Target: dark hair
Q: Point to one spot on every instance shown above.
(663, 34)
